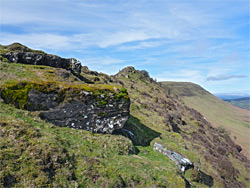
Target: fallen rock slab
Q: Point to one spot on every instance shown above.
(182, 162)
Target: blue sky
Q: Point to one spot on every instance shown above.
(205, 42)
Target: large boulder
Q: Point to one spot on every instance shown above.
(34, 58)
(96, 108)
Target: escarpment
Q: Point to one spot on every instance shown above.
(44, 59)
(96, 108)
(18, 53)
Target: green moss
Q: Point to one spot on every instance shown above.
(3, 59)
(101, 103)
(17, 92)
(102, 114)
(122, 94)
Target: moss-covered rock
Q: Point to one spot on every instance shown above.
(96, 108)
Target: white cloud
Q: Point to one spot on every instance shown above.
(123, 37)
(181, 75)
(39, 41)
(104, 64)
(140, 45)
(105, 60)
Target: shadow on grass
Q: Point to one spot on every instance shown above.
(140, 134)
(206, 179)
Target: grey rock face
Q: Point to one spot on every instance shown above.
(44, 59)
(181, 162)
(100, 110)
(88, 116)
(40, 101)
(83, 111)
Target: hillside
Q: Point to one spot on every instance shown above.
(240, 102)
(54, 152)
(222, 115)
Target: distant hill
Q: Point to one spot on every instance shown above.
(227, 96)
(241, 102)
(219, 113)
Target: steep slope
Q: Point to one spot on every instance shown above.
(182, 128)
(34, 152)
(221, 114)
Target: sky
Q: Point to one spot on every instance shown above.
(204, 42)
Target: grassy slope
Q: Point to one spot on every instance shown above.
(36, 153)
(216, 111)
(47, 155)
(154, 108)
(71, 157)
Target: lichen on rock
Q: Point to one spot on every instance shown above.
(96, 108)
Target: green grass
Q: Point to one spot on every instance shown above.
(39, 154)
(215, 111)
(36, 153)
(75, 156)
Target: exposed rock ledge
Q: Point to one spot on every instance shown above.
(96, 108)
(35, 58)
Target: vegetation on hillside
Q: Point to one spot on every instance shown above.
(235, 121)
(35, 153)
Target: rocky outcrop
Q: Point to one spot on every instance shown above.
(181, 162)
(34, 58)
(101, 108)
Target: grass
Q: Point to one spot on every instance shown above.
(74, 156)
(36, 153)
(155, 107)
(234, 120)
(39, 154)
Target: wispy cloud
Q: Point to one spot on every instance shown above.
(141, 45)
(174, 40)
(103, 64)
(224, 77)
(38, 40)
(180, 75)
